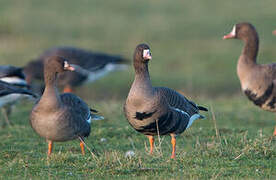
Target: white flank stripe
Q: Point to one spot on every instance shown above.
(14, 80)
(102, 72)
(193, 118)
(179, 110)
(89, 120)
(96, 117)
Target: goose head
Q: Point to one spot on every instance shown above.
(243, 31)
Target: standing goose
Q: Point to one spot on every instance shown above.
(15, 77)
(258, 81)
(97, 64)
(156, 110)
(60, 117)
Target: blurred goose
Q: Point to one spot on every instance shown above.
(10, 93)
(274, 32)
(97, 64)
(14, 76)
(258, 81)
(60, 117)
(157, 110)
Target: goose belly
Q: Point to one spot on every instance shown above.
(52, 127)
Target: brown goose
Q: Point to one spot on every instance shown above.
(156, 110)
(97, 64)
(258, 81)
(60, 117)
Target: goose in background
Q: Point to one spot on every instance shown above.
(15, 77)
(258, 81)
(10, 93)
(60, 117)
(157, 110)
(97, 64)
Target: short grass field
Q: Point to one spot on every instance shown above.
(235, 139)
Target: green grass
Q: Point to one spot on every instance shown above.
(188, 55)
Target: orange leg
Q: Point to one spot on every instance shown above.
(82, 148)
(173, 141)
(67, 89)
(274, 131)
(50, 147)
(151, 140)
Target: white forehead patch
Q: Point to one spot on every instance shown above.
(146, 52)
(233, 32)
(66, 65)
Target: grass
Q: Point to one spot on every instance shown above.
(233, 142)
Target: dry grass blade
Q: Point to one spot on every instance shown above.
(91, 152)
(215, 122)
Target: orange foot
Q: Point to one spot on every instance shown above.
(50, 148)
(173, 141)
(82, 148)
(274, 131)
(151, 140)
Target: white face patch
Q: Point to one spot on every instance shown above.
(68, 67)
(66, 64)
(146, 54)
(233, 32)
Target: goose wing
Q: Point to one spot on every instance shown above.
(78, 113)
(178, 101)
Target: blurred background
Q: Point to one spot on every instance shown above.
(185, 37)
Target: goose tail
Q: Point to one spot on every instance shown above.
(202, 108)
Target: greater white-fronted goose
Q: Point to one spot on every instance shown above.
(60, 117)
(156, 110)
(98, 65)
(10, 93)
(258, 81)
(14, 76)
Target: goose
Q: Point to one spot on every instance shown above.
(157, 110)
(98, 64)
(9, 93)
(274, 32)
(14, 76)
(258, 81)
(60, 117)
